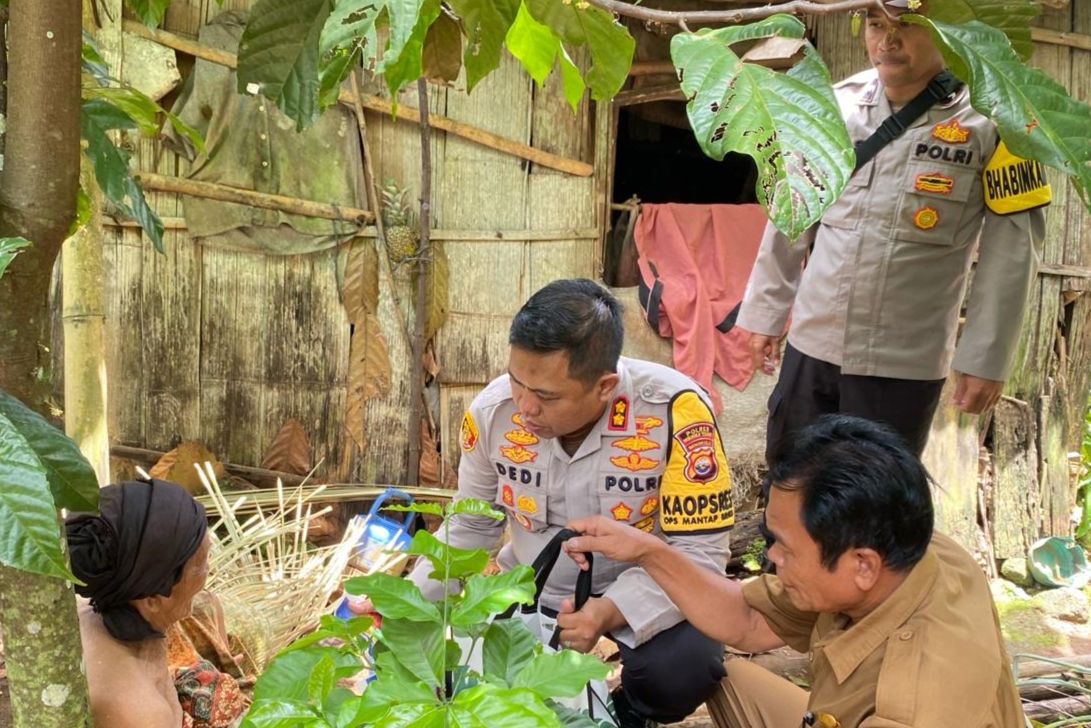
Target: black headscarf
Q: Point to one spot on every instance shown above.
(136, 548)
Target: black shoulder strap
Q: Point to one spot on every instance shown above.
(942, 85)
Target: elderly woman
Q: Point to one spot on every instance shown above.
(143, 560)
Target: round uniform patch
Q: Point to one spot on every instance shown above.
(926, 218)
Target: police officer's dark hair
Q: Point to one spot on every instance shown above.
(575, 315)
(861, 486)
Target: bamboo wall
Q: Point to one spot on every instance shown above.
(224, 346)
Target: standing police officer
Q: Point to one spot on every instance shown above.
(876, 311)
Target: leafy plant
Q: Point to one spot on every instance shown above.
(429, 664)
(1072, 680)
(751, 558)
(41, 470)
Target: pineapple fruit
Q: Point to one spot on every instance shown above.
(401, 228)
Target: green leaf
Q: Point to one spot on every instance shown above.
(287, 676)
(9, 248)
(321, 680)
(403, 62)
(571, 80)
(276, 713)
(790, 124)
(609, 42)
(394, 597)
(573, 718)
(1011, 17)
(417, 646)
(30, 535)
(485, 596)
(138, 108)
(384, 694)
(72, 481)
(489, 706)
(433, 509)
(462, 562)
(279, 52)
(415, 716)
(560, 674)
(150, 12)
(509, 645)
(474, 507)
(111, 166)
(92, 63)
(1033, 113)
(485, 24)
(533, 44)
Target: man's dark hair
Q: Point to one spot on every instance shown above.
(577, 316)
(862, 487)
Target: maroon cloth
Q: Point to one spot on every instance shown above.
(702, 255)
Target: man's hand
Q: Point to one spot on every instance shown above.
(974, 395)
(616, 541)
(581, 630)
(765, 352)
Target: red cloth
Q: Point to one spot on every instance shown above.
(703, 255)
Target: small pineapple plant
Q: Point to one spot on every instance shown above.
(402, 236)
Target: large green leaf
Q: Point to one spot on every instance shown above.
(393, 597)
(134, 107)
(403, 62)
(279, 53)
(789, 123)
(461, 561)
(92, 63)
(419, 647)
(485, 24)
(30, 535)
(286, 677)
(72, 480)
(533, 44)
(415, 715)
(111, 165)
(277, 713)
(509, 645)
(609, 42)
(474, 507)
(1033, 113)
(1012, 17)
(150, 12)
(485, 596)
(560, 674)
(9, 248)
(489, 706)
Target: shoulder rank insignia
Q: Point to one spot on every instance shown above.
(619, 414)
(1012, 184)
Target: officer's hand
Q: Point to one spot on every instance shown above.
(614, 540)
(581, 630)
(974, 395)
(765, 352)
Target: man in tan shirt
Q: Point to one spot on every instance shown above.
(898, 620)
(875, 314)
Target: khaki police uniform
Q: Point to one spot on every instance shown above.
(930, 656)
(654, 460)
(876, 310)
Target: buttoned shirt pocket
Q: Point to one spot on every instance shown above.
(527, 506)
(933, 201)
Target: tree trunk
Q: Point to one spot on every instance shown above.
(38, 186)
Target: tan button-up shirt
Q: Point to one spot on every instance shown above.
(881, 293)
(654, 461)
(930, 656)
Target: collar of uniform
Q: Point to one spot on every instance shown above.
(848, 650)
(872, 92)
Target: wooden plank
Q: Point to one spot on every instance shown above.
(123, 265)
(320, 409)
(952, 458)
(231, 413)
(844, 55)
(1053, 472)
(233, 312)
(1015, 505)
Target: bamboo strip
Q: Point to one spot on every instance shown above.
(375, 103)
(226, 193)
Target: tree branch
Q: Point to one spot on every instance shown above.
(683, 18)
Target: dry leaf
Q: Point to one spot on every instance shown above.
(435, 292)
(429, 470)
(290, 451)
(360, 291)
(441, 58)
(369, 373)
(177, 466)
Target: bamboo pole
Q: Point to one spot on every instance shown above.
(375, 103)
(227, 193)
(423, 260)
